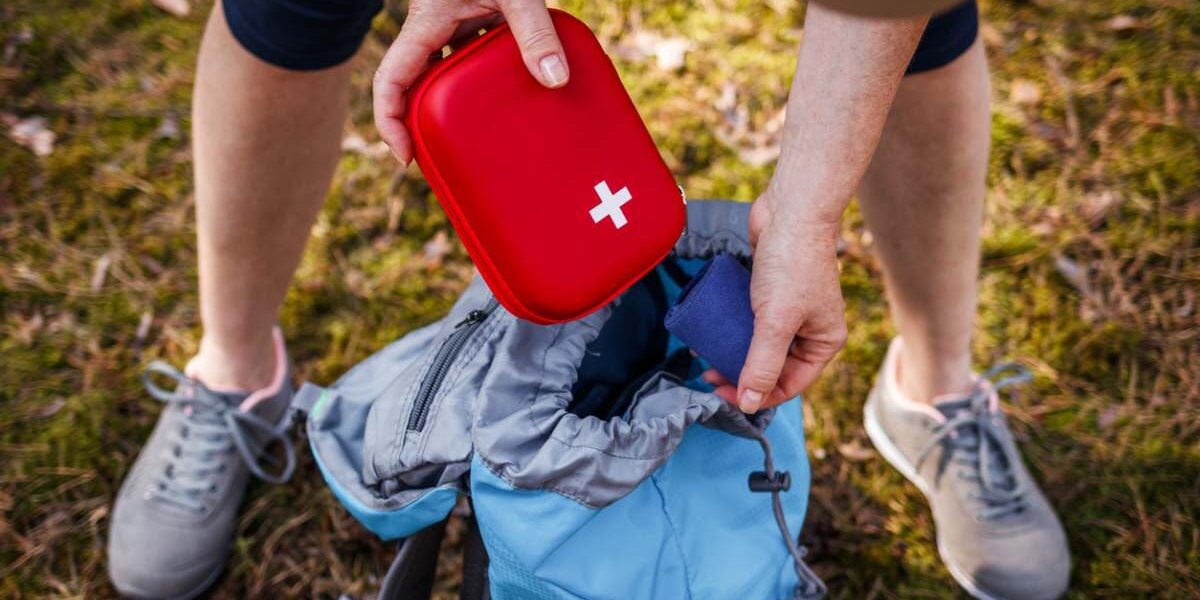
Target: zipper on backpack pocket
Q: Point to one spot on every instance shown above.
(442, 361)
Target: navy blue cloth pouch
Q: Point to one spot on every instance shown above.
(713, 316)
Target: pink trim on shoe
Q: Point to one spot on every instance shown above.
(277, 381)
(891, 384)
(956, 396)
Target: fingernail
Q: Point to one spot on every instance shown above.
(554, 72)
(403, 160)
(751, 401)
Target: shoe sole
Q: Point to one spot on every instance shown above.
(208, 582)
(888, 450)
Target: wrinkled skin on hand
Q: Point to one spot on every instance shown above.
(799, 322)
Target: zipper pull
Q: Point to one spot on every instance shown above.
(683, 197)
(472, 317)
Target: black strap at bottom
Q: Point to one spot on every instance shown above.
(413, 572)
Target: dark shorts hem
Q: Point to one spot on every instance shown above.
(947, 36)
(301, 35)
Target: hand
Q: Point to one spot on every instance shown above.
(432, 24)
(799, 314)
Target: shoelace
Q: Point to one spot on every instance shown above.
(972, 438)
(212, 428)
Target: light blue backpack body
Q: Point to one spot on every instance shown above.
(597, 464)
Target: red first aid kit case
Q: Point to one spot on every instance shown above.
(559, 195)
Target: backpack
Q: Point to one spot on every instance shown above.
(597, 463)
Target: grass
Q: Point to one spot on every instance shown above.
(1091, 271)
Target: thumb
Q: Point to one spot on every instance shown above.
(768, 351)
(540, 48)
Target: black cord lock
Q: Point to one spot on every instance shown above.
(760, 482)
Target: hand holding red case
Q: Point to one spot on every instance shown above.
(559, 195)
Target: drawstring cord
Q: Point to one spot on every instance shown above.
(809, 586)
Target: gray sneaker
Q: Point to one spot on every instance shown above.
(996, 532)
(173, 520)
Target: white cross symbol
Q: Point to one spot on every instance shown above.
(610, 205)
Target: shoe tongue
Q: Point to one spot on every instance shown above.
(969, 437)
(227, 399)
(950, 407)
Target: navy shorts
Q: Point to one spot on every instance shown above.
(307, 35)
(947, 37)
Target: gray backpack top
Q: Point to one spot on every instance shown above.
(598, 464)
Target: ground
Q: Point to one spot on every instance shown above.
(1091, 271)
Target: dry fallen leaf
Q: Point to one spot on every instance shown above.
(26, 329)
(759, 156)
(1095, 205)
(1108, 416)
(668, 52)
(1122, 23)
(855, 452)
(395, 209)
(51, 409)
(991, 36)
(727, 101)
(437, 248)
(754, 146)
(100, 271)
(168, 128)
(143, 328)
(178, 8)
(1025, 92)
(1075, 274)
(1171, 104)
(356, 144)
(32, 133)
(1189, 304)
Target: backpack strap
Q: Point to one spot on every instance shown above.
(475, 565)
(412, 573)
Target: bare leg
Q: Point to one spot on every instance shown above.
(922, 198)
(266, 145)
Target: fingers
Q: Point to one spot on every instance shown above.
(768, 351)
(540, 48)
(794, 378)
(808, 357)
(714, 377)
(727, 393)
(428, 28)
(421, 36)
(721, 386)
